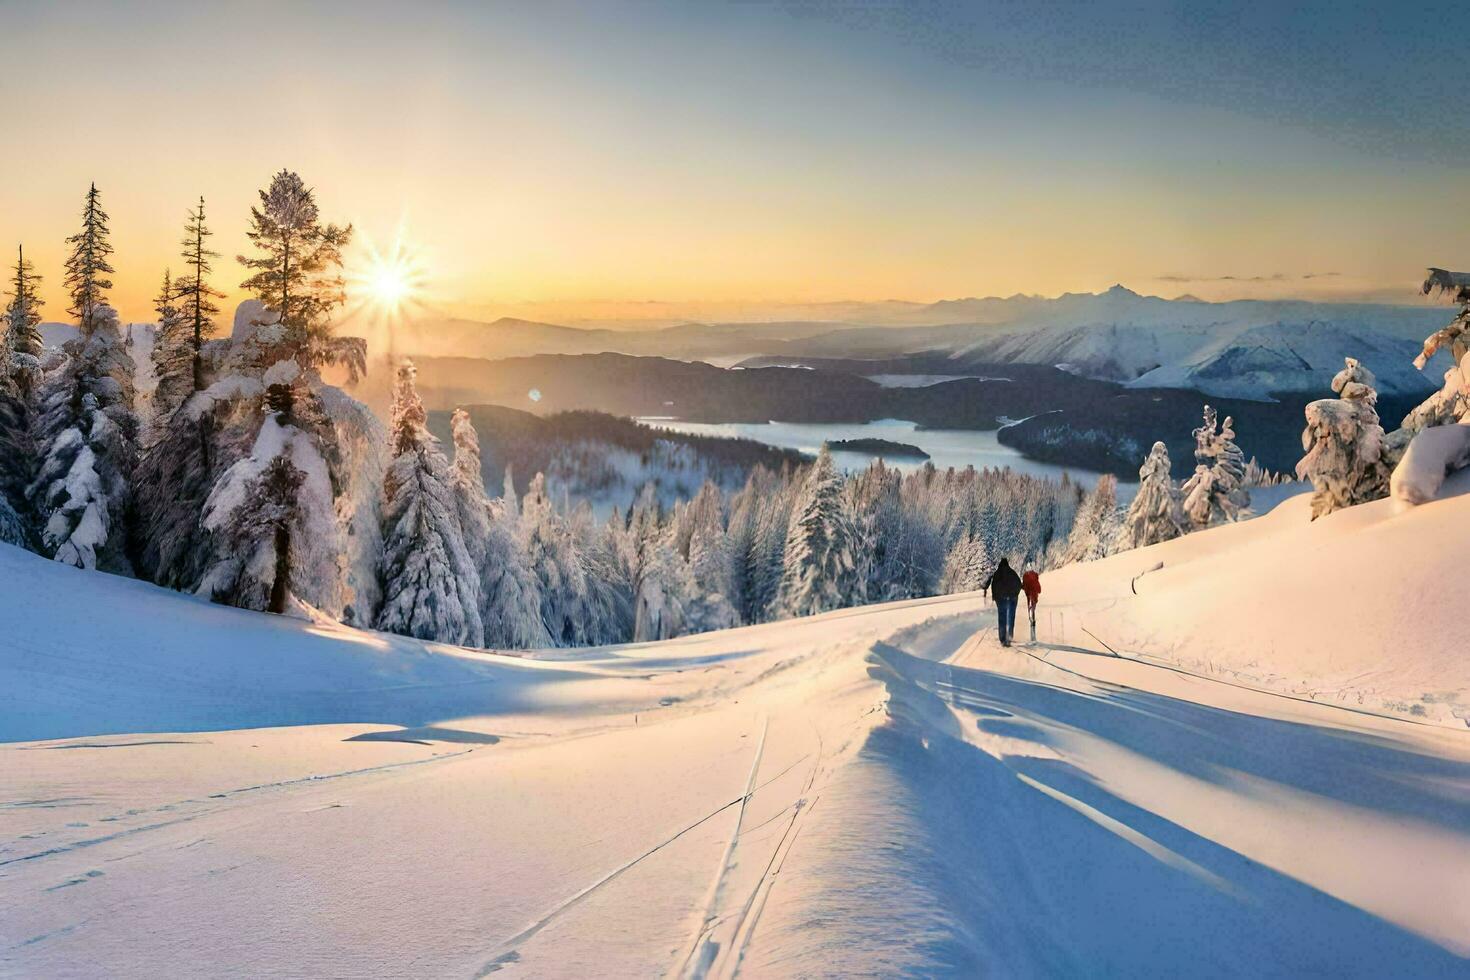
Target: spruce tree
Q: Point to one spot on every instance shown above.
(298, 273)
(272, 515)
(1214, 494)
(1156, 513)
(89, 432)
(22, 318)
(173, 358)
(197, 309)
(87, 266)
(510, 599)
(821, 569)
(1344, 444)
(430, 584)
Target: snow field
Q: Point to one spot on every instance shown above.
(876, 791)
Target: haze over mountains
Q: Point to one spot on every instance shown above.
(1242, 349)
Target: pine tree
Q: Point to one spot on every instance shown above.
(272, 513)
(1231, 464)
(298, 272)
(1097, 520)
(821, 569)
(1214, 494)
(430, 584)
(510, 593)
(1156, 513)
(467, 480)
(665, 589)
(966, 567)
(87, 266)
(1344, 444)
(197, 309)
(1451, 404)
(17, 462)
(22, 318)
(89, 432)
(173, 356)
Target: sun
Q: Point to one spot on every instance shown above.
(389, 283)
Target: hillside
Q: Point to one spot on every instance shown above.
(604, 458)
(1278, 785)
(1073, 421)
(1240, 349)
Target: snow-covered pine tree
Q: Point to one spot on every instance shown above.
(467, 480)
(767, 497)
(17, 459)
(707, 547)
(86, 425)
(89, 432)
(172, 354)
(22, 355)
(549, 555)
(1344, 444)
(197, 308)
(1231, 464)
(187, 450)
(271, 515)
(1451, 404)
(510, 598)
(298, 273)
(1156, 513)
(20, 373)
(1211, 496)
(966, 567)
(297, 283)
(510, 601)
(665, 588)
(430, 584)
(1096, 526)
(820, 570)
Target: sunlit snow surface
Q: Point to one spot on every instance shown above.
(879, 791)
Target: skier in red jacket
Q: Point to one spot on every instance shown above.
(1031, 585)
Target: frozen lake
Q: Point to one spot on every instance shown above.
(956, 448)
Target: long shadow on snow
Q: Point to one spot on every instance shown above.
(1358, 768)
(1025, 885)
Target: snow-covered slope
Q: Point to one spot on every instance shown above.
(877, 791)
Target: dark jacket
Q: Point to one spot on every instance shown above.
(1003, 583)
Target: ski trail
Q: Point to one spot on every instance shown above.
(213, 807)
(697, 961)
(727, 962)
(510, 955)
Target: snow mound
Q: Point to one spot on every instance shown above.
(1350, 609)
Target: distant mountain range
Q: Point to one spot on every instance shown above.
(1242, 349)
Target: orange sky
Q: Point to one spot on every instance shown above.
(575, 162)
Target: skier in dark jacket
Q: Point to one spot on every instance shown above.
(1004, 585)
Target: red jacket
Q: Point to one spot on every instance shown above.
(1031, 582)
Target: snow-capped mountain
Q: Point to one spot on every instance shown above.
(1243, 348)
